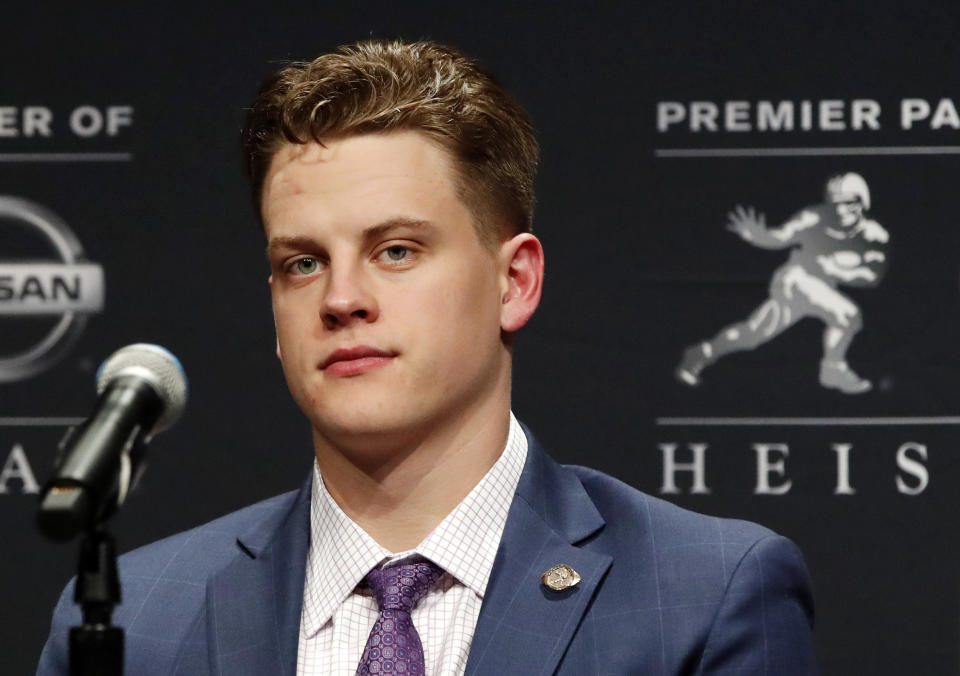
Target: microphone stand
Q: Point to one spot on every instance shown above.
(96, 647)
(96, 466)
(68, 506)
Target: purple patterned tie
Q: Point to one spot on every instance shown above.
(393, 646)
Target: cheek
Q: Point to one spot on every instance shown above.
(463, 312)
(295, 324)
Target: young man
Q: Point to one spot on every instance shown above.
(434, 535)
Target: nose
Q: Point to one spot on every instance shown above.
(347, 298)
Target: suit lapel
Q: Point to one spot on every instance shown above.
(523, 626)
(253, 604)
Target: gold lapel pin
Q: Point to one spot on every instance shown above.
(560, 577)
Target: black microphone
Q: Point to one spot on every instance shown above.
(142, 391)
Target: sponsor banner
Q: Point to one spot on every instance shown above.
(751, 304)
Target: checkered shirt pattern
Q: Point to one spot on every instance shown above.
(337, 616)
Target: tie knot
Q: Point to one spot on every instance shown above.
(400, 587)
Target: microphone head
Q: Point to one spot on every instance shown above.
(159, 368)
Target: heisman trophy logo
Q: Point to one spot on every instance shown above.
(832, 244)
(66, 290)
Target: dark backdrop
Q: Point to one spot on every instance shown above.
(639, 265)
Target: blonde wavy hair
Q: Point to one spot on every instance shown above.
(380, 86)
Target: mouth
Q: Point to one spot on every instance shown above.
(355, 360)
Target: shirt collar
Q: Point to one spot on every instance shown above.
(340, 555)
(464, 544)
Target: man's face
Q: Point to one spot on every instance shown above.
(849, 211)
(387, 306)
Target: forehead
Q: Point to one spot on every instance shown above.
(361, 179)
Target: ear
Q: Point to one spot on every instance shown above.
(521, 265)
(279, 354)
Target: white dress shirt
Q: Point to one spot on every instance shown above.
(337, 616)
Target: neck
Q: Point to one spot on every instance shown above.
(399, 496)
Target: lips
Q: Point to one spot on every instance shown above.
(355, 360)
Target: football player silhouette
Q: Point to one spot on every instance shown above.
(832, 245)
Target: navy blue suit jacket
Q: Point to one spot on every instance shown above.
(663, 590)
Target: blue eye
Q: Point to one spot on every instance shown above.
(306, 266)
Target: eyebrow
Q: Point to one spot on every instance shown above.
(370, 233)
(375, 231)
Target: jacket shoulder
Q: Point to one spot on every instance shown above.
(722, 595)
(625, 509)
(164, 588)
(193, 555)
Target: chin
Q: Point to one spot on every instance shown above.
(358, 418)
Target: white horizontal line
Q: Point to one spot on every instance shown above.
(810, 152)
(851, 422)
(66, 157)
(37, 421)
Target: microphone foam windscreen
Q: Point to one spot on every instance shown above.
(156, 365)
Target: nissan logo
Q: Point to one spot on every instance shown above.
(68, 288)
